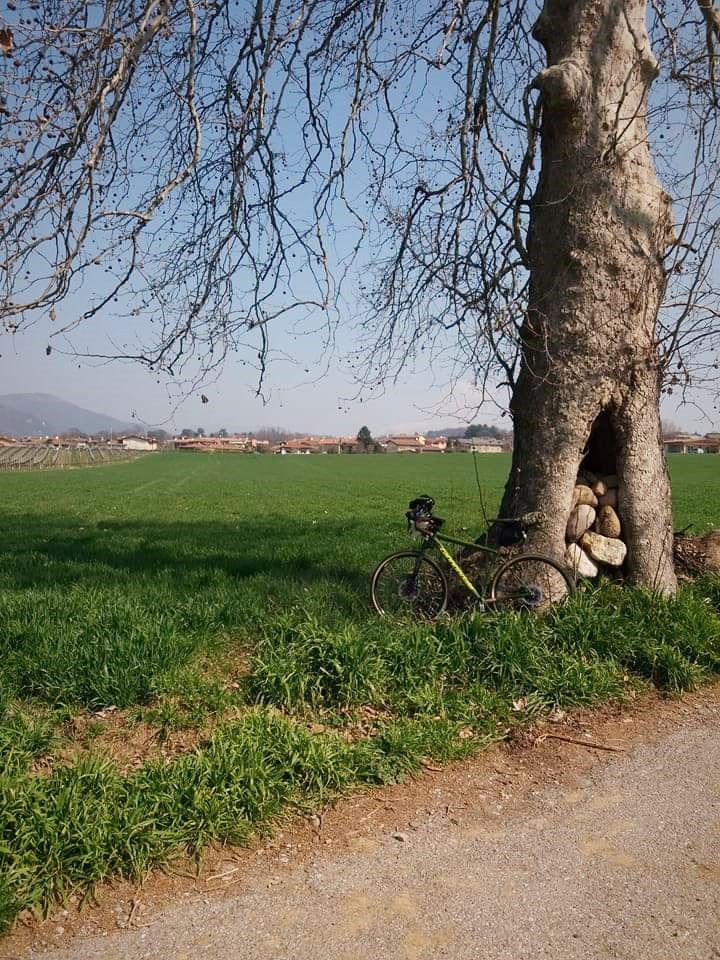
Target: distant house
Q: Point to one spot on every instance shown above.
(353, 445)
(305, 446)
(692, 443)
(329, 444)
(435, 446)
(293, 446)
(316, 445)
(310, 445)
(135, 442)
(479, 444)
(205, 444)
(403, 443)
(234, 444)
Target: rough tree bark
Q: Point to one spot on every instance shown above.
(588, 390)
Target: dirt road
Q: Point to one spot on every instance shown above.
(545, 849)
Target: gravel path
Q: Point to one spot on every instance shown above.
(624, 862)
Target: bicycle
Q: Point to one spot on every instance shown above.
(410, 581)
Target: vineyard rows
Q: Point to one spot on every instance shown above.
(24, 456)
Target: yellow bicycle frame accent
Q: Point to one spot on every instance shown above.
(457, 568)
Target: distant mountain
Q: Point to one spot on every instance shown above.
(42, 414)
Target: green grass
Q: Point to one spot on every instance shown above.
(110, 580)
(228, 595)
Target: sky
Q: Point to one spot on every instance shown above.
(319, 401)
(308, 388)
(312, 393)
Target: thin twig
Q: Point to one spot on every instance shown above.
(133, 910)
(221, 876)
(582, 743)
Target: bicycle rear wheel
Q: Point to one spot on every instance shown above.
(530, 583)
(409, 584)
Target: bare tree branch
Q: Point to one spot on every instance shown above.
(204, 174)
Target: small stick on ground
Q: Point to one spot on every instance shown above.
(369, 815)
(221, 876)
(133, 910)
(582, 743)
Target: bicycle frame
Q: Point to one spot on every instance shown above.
(438, 540)
(511, 579)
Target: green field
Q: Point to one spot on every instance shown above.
(226, 597)
(174, 552)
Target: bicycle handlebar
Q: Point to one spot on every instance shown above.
(421, 509)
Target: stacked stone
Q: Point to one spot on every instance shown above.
(593, 533)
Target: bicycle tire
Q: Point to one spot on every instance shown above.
(531, 582)
(423, 599)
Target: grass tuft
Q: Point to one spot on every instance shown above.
(82, 647)
(672, 641)
(87, 822)
(22, 739)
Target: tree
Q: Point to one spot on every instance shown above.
(365, 439)
(669, 428)
(590, 374)
(500, 174)
(483, 430)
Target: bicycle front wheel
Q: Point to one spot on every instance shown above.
(530, 583)
(409, 584)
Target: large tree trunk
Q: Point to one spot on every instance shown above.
(588, 390)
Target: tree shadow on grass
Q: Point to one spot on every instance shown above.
(53, 550)
(100, 613)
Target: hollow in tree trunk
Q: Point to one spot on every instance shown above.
(589, 385)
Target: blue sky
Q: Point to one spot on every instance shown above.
(311, 392)
(320, 401)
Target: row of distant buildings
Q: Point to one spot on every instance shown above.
(130, 442)
(692, 443)
(402, 443)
